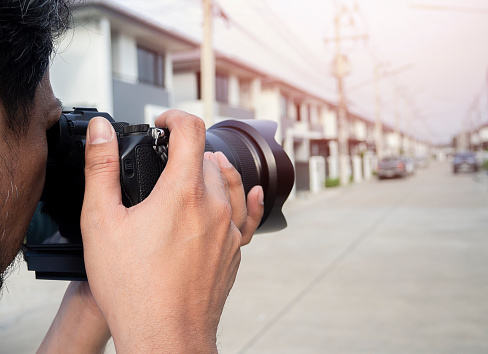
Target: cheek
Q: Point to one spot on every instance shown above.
(31, 173)
(21, 189)
(34, 170)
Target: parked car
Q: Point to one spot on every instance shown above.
(392, 166)
(464, 161)
(409, 165)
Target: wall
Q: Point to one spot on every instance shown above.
(393, 143)
(85, 59)
(484, 134)
(360, 130)
(124, 57)
(329, 122)
(269, 108)
(185, 87)
(234, 91)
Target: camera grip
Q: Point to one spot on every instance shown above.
(149, 169)
(140, 168)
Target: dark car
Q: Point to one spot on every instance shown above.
(464, 161)
(392, 166)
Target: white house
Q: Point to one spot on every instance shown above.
(112, 55)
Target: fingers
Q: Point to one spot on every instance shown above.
(102, 175)
(246, 216)
(255, 210)
(235, 189)
(186, 143)
(214, 181)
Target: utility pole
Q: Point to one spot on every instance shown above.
(397, 120)
(340, 71)
(207, 65)
(377, 121)
(409, 129)
(342, 137)
(471, 129)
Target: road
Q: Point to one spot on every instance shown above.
(391, 266)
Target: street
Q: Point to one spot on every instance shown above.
(390, 266)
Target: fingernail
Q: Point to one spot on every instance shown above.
(261, 196)
(100, 131)
(224, 161)
(213, 158)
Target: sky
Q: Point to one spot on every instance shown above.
(431, 55)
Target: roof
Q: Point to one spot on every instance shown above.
(190, 60)
(142, 28)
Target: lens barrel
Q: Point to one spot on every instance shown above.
(250, 146)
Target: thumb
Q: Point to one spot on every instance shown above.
(102, 174)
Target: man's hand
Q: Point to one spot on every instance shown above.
(161, 270)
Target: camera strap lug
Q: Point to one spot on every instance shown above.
(161, 138)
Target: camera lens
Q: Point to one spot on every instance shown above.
(252, 149)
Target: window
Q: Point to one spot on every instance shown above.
(150, 67)
(298, 109)
(221, 87)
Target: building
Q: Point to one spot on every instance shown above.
(111, 56)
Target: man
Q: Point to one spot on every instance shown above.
(159, 272)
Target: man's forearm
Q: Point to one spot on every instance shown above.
(79, 326)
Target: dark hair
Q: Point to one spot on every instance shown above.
(28, 30)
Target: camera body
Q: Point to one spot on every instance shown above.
(142, 157)
(142, 153)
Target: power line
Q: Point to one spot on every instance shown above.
(478, 11)
(304, 70)
(280, 26)
(381, 76)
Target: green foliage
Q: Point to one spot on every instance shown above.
(332, 182)
(484, 166)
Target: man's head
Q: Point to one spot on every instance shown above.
(28, 107)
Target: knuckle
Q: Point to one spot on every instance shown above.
(236, 237)
(223, 210)
(234, 178)
(192, 193)
(195, 125)
(101, 165)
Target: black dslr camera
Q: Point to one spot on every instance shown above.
(53, 247)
